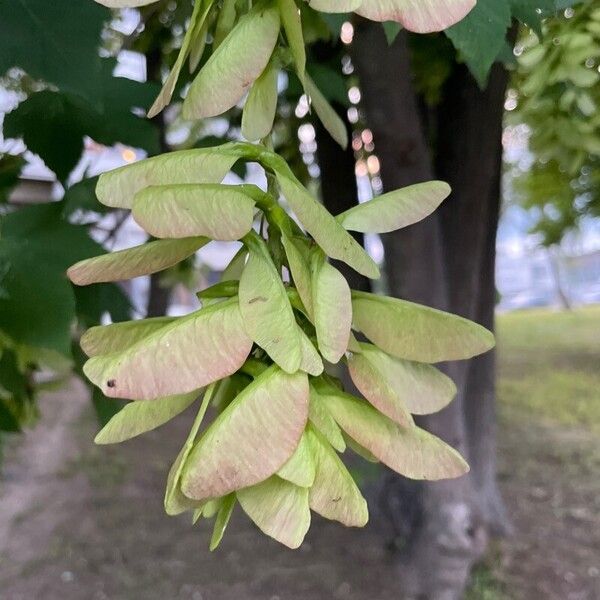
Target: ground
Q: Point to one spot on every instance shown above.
(85, 522)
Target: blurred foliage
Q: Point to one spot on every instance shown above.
(558, 89)
(481, 37)
(39, 306)
(50, 52)
(10, 169)
(67, 92)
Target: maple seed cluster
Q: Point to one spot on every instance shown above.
(256, 351)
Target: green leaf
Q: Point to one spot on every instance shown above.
(300, 467)
(37, 307)
(526, 12)
(251, 439)
(220, 212)
(234, 65)
(396, 209)
(332, 83)
(27, 279)
(424, 16)
(332, 307)
(334, 494)
(266, 311)
(45, 117)
(10, 172)
(94, 302)
(412, 452)
(52, 41)
(415, 332)
(399, 387)
(81, 196)
(480, 36)
(292, 25)
(105, 339)
(279, 509)
(327, 232)
(330, 119)
(107, 118)
(189, 353)
(223, 517)
(118, 187)
(59, 45)
(136, 418)
(261, 105)
(8, 421)
(119, 97)
(16, 393)
(134, 262)
(322, 420)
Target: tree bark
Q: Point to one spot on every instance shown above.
(553, 258)
(158, 296)
(469, 157)
(443, 536)
(448, 262)
(338, 187)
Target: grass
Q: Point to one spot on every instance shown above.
(549, 366)
(548, 374)
(485, 585)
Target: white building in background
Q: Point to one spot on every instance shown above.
(526, 274)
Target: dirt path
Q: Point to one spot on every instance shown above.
(82, 522)
(29, 482)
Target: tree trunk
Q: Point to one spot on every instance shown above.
(553, 258)
(448, 262)
(338, 186)
(469, 157)
(443, 536)
(158, 296)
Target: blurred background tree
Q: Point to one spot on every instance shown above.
(557, 99)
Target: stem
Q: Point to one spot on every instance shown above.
(223, 289)
(263, 200)
(280, 219)
(255, 242)
(253, 367)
